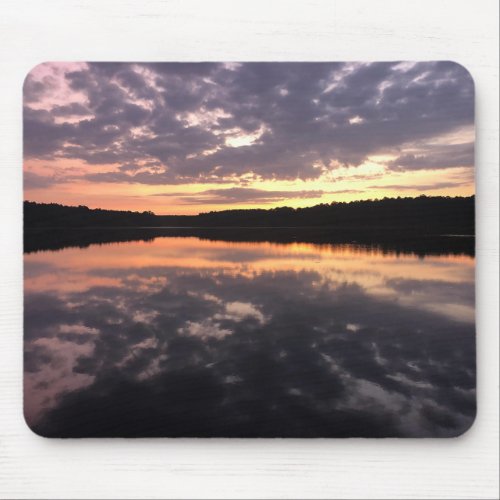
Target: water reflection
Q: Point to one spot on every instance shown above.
(186, 337)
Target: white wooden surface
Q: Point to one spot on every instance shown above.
(35, 31)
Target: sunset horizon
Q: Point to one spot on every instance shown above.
(186, 138)
(251, 207)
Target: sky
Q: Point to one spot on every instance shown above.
(185, 138)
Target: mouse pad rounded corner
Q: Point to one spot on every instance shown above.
(245, 249)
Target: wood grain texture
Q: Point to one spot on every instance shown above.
(221, 30)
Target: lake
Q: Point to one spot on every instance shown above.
(186, 336)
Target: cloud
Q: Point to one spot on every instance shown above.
(419, 187)
(72, 109)
(246, 195)
(204, 330)
(213, 122)
(238, 311)
(438, 157)
(240, 195)
(35, 181)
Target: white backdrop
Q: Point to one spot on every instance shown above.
(227, 30)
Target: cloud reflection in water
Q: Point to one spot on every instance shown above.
(186, 337)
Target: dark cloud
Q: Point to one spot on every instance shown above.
(456, 155)
(73, 109)
(210, 121)
(420, 187)
(35, 181)
(442, 291)
(240, 195)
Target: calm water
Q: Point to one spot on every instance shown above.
(184, 337)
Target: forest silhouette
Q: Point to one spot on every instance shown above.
(433, 215)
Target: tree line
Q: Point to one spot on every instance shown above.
(425, 214)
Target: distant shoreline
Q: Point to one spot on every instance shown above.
(437, 215)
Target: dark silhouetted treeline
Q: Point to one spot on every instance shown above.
(424, 214)
(54, 215)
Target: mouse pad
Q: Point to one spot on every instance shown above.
(249, 249)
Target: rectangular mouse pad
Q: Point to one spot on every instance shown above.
(249, 249)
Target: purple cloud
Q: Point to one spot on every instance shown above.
(213, 122)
